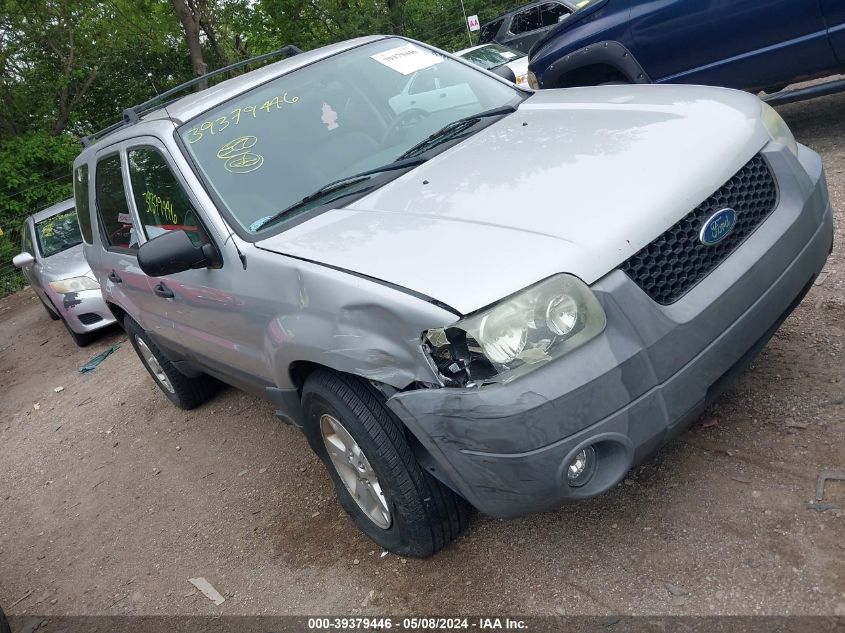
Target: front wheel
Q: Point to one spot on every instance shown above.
(181, 390)
(82, 340)
(52, 313)
(377, 478)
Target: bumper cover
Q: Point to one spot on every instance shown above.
(506, 447)
(85, 304)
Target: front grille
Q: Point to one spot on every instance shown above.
(672, 264)
(89, 318)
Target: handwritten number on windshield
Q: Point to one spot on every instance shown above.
(215, 126)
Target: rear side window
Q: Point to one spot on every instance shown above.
(488, 31)
(111, 204)
(161, 201)
(80, 194)
(526, 21)
(552, 13)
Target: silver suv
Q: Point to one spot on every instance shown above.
(463, 293)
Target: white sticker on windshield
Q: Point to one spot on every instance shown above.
(508, 55)
(407, 59)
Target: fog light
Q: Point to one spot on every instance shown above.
(582, 467)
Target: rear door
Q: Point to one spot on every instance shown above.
(734, 43)
(119, 274)
(834, 16)
(532, 23)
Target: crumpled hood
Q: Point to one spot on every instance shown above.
(69, 263)
(576, 181)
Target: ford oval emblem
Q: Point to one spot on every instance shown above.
(717, 227)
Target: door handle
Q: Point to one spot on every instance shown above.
(115, 278)
(442, 95)
(163, 291)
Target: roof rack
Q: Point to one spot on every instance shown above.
(134, 114)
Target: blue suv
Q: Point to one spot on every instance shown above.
(748, 44)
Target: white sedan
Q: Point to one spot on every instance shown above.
(492, 56)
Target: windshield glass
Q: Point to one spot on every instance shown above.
(491, 55)
(270, 147)
(58, 233)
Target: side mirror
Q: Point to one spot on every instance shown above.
(505, 71)
(22, 260)
(174, 252)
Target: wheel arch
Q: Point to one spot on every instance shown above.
(593, 64)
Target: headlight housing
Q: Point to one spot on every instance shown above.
(532, 81)
(74, 284)
(518, 334)
(778, 129)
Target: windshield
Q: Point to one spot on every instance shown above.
(276, 144)
(58, 233)
(491, 55)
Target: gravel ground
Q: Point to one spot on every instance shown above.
(110, 498)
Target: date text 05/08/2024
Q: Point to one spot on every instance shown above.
(416, 624)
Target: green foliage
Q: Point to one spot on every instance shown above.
(70, 67)
(35, 172)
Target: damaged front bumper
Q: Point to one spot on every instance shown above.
(506, 447)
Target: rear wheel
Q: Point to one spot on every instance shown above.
(181, 390)
(377, 478)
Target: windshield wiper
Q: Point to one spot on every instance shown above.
(337, 185)
(452, 130)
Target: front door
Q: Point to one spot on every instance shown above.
(196, 313)
(733, 43)
(834, 17)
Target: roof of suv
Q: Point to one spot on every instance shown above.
(196, 103)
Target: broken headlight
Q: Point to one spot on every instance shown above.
(521, 332)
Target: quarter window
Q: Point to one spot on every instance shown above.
(80, 194)
(161, 201)
(111, 204)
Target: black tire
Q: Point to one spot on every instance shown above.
(425, 515)
(82, 340)
(4, 623)
(50, 312)
(186, 393)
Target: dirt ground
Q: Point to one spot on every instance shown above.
(110, 498)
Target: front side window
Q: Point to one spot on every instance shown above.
(58, 233)
(111, 204)
(552, 13)
(26, 242)
(161, 201)
(280, 142)
(80, 194)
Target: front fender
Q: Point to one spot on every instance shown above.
(351, 324)
(606, 53)
(603, 23)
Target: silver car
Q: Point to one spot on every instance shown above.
(501, 300)
(54, 265)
